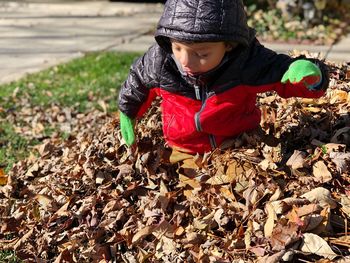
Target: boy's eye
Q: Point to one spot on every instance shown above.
(201, 55)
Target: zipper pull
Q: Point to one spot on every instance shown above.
(197, 91)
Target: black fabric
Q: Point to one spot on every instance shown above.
(144, 74)
(203, 20)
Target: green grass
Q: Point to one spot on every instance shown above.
(13, 145)
(97, 74)
(8, 257)
(80, 84)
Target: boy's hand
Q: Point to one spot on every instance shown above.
(303, 71)
(127, 128)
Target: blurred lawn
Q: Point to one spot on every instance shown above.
(79, 84)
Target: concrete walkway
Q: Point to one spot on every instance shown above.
(35, 36)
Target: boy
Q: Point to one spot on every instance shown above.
(208, 66)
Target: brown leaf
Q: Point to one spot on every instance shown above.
(64, 257)
(46, 202)
(311, 222)
(227, 193)
(143, 255)
(111, 206)
(9, 225)
(3, 177)
(339, 96)
(321, 196)
(316, 245)
(147, 230)
(270, 222)
(345, 202)
(177, 156)
(275, 258)
(342, 161)
(321, 172)
(194, 238)
(184, 180)
(233, 170)
(23, 239)
(296, 161)
(284, 235)
(347, 74)
(343, 241)
(165, 247)
(164, 229)
(308, 209)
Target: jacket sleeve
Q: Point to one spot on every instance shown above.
(269, 68)
(136, 93)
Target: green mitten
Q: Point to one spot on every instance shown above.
(303, 71)
(127, 128)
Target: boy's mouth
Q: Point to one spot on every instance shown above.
(191, 73)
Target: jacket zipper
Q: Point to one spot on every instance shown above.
(197, 91)
(197, 114)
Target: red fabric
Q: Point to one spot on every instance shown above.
(151, 96)
(223, 115)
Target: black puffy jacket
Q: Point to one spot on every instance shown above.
(226, 105)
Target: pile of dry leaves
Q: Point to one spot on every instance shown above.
(279, 196)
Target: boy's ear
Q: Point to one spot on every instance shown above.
(230, 45)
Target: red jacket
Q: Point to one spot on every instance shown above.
(200, 126)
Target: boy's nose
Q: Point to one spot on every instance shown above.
(185, 59)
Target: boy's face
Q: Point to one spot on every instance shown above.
(198, 58)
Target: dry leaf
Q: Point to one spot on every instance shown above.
(227, 193)
(3, 177)
(341, 160)
(322, 196)
(165, 247)
(220, 179)
(275, 258)
(248, 234)
(270, 222)
(164, 229)
(308, 209)
(312, 109)
(311, 222)
(343, 241)
(133, 204)
(321, 172)
(296, 161)
(147, 230)
(64, 257)
(47, 202)
(316, 245)
(345, 202)
(177, 156)
(284, 235)
(233, 170)
(184, 180)
(339, 96)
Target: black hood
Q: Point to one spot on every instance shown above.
(203, 20)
